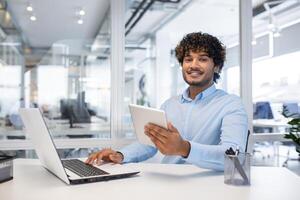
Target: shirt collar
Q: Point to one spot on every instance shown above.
(185, 95)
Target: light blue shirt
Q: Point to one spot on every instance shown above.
(212, 122)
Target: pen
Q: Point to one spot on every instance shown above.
(233, 155)
(239, 167)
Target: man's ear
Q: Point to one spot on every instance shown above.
(216, 69)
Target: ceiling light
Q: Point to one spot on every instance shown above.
(29, 8)
(80, 21)
(33, 18)
(81, 12)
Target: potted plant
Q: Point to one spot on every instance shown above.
(294, 129)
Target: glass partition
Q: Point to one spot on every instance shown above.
(276, 76)
(73, 90)
(276, 79)
(11, 84)
(152, 72)
(70, 84)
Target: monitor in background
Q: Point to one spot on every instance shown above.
(75, 110)
(291, 109)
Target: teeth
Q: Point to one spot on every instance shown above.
(195, 73)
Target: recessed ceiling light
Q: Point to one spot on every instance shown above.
(33, 18)
(80, 21)
(29, 8)
(81, 12)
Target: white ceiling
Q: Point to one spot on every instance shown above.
(217, 17)
(220, 18)
(57, 20)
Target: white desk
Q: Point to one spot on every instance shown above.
(275, 125)
(156, 181)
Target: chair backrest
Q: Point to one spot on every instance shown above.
(291, 109)
(263, 110)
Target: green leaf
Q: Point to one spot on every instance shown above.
(294, 122)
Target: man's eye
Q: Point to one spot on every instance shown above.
(187, 60)
(203, 59)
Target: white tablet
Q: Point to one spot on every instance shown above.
(143, 115)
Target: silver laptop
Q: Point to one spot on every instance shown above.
(71, 171)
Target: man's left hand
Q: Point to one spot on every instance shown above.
(168, 141)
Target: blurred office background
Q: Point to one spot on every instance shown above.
(62, 57)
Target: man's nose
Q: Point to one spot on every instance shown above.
(195, 63)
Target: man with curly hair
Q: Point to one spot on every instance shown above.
(203, 121)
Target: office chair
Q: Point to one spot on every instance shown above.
(291, 110)
(262, 110)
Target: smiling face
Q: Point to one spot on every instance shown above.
(198, 69)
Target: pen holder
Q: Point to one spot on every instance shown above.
(237, 169)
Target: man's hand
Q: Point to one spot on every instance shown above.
(105, 155)
(168, 142)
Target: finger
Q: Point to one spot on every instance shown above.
(87, 161)
(91, 158)
(99, 158)
(162, 131)
(151, 126)
(171, 127)
(160, 146)
(153, 139)
(158, 136)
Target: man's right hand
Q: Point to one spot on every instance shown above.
(105, 155)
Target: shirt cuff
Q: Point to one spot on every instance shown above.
(192, 154)
(126, 155)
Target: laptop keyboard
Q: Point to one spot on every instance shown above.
(80, 168)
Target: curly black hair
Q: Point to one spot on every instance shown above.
(205, 42)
